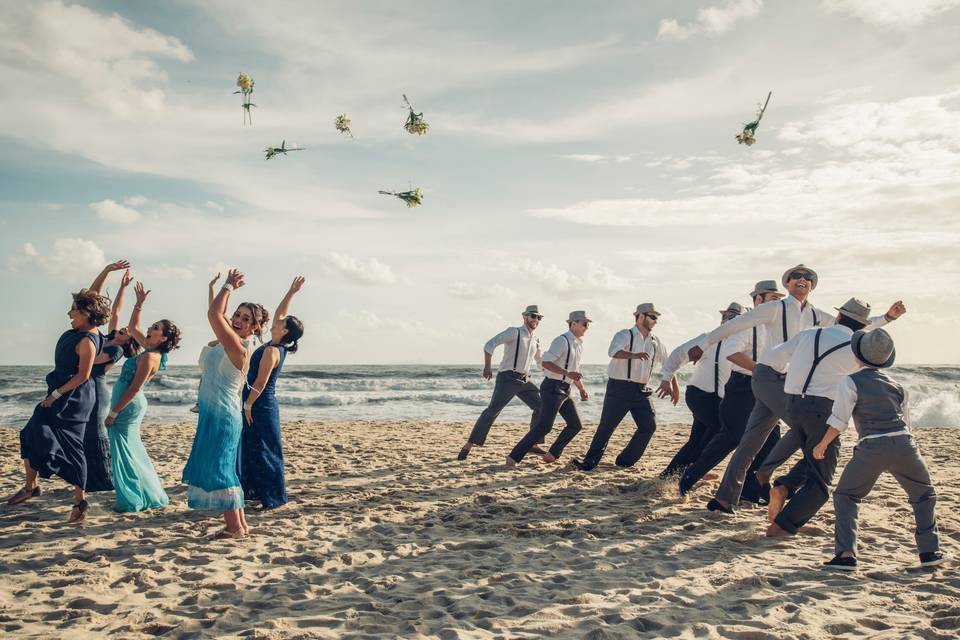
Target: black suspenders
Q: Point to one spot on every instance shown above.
(783, 307)
(754, 344)
(716, 369)
(516, 355)
(783, 317)
(630, 360)
(567, 362)
(818, 358)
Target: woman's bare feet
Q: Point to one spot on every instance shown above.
(511, 463)
(778, 497)
(24, 494)
(227, 534)
(79, 512)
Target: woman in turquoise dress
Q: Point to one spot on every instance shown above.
(135, 480)
(261, 450)
(211, 471)
(52, 441)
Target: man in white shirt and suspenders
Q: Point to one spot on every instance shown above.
(704, 389)
(737, 403)
(633, 354)
(520, 348)
(780, 320)
(561, 366)
(815, 361)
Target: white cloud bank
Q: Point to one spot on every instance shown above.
(890, 13)
(111, 211)
(69, 258)
(712, 21)
(365, 272)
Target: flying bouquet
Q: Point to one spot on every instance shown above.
(282, 149)
(412, 198)
(342, 123)
(749, 130)
(415, 123)
(245, 82)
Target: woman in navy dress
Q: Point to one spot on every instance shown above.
(52, 441)
(261, 450)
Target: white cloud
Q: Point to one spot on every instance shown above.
(136, 201)
(470, 291)
(712, 21)
(169, 272)
(210, 204)
(70, 258)
(593, 158)
(51, 206)
(114, 212)
(890, 13)
(366, 272)
(589, 278)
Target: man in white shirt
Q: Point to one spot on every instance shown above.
(780, 320)
(704, 389)
(520, 348)
(633, 354)
(561, 366)
(814, 361)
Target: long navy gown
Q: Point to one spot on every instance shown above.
(261, 449)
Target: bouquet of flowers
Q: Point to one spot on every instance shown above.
(415, 122)
(245, 82)
(749, 130)
(281, 150)
(412, 198)
(342, 123)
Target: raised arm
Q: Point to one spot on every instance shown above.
(119, 265)
(134, 327)
(147, 365)
(284, 305)
(118, 302)
(216, 315)
(268, 362)
(210, 287)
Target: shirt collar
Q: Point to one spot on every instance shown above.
(575, 338)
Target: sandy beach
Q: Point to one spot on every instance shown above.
(387, 535)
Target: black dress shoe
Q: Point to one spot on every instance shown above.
(463, 454)
(714, 505)
(841, 564)
(537, 450)
(582, 465)
(932, 558)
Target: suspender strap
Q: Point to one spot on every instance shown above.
(630, 360)
(567, 362)
(818, 358)
(754, 344)
(816, 320)
(516, 354)
(716, 369)
(783, 316)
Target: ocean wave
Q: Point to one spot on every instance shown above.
(331, 400)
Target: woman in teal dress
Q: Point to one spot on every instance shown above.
(211, 471)
(135, 480)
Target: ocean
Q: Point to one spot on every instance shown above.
(423, 392)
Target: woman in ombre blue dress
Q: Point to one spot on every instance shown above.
(211, 471)
(261, 451)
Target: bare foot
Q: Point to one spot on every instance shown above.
(511, 463)
(776, 531)
(763, 477)
(778, 497)
(549, 457)
(708, 477)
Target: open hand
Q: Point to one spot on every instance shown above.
(574, 375)
(119, 265)
(214, 281)
(665, 390)
(297, 283)
(643, 355)
(126, 279)
(235, 278)
(141, 293)
(248, 412)
(584, 395)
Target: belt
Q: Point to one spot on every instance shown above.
(516, 375)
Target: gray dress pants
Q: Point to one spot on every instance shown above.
(770, 405)
(508, 386)
(898, 455)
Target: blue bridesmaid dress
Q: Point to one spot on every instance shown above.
(52, 440)
(96, 443)
(136, 482)
(261, 451)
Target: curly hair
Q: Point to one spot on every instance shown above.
(93, 305)
(131, 347)
(261, 317)
(171, 336)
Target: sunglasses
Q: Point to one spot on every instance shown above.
(651, 316)
(801, 275)
(534, 316)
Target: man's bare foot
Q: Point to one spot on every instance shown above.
(549, 457)
(763, 477)
(710, 476)
(776, 531)
(511, 463)
(778, 497)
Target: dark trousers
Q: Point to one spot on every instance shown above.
(508, 385)
(623, 397)
(808, 418)
(705, 408)
(554, 398)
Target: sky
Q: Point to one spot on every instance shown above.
(580, 156)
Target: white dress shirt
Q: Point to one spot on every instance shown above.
(639, 370)
(798, 353)
(565, 352)
(769, 316)
(846, 399)
(527, 351)
(713, 367)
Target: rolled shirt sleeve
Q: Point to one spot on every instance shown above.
(500, 338)
(557, 351)
(843, 404)
(620, 342)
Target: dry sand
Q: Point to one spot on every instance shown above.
(388, 535)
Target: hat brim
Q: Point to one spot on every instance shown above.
(733, 311)
(655, 314)
(779, 294)
(863, 320)
(786, 276)
(855, 346)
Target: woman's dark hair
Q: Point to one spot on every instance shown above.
(171, 336)
(261, 317)
(130, 349)
(294, 332)
(847, 321)
(95, 306)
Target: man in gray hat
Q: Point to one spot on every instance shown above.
(633, 354)
(880, 410)
(520, 348)
(561, 366)
(818, 359)
(779, 321)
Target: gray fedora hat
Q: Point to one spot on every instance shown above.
(532, 310)
(856, 309)
(766, 286)
(646, 307)
(734, 307)
(800, 267)
(874, 348)
(578, 316)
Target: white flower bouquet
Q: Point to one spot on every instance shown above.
(283, 149)
(415, 123)
(412, 198)
(245, 82)
(342, 123)
(747, 136)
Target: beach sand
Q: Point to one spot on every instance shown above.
(388, 535)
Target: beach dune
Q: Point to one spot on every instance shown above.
(387, 535)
